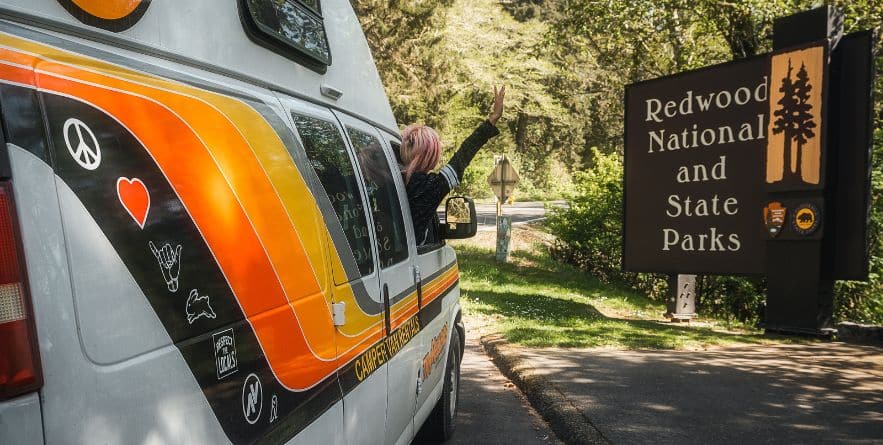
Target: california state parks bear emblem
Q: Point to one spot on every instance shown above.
(806, 219)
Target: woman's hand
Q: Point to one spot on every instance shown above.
(497, 111)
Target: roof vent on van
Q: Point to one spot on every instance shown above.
(293, 28)
(330, 91)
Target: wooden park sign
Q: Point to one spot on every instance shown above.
(702, 150)
(735, 168)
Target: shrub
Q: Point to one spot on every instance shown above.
(589, 235)
(589, 231)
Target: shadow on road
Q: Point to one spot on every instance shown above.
(815, 393)
(492, 410)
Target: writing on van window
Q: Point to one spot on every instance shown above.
(327, 153)
(389, 224)
(169, 260)
(293, 23)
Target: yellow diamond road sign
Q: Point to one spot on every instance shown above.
(503, 179)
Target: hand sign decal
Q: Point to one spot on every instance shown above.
(198, 307)
(169, 263)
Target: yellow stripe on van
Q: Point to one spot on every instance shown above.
(289, 186)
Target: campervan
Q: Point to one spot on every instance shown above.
(204, 234)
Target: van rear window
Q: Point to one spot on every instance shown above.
(296, 25)
(328, 156)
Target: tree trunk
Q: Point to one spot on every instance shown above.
(521, 132)
(742, 35)
(786, 167)
(799, 172)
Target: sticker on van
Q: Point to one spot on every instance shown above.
(112, 15)
(187, 191)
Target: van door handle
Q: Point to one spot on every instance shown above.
(418, 280)
(386, 307)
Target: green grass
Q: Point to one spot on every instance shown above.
(535, 301)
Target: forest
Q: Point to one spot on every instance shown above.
(566, 64)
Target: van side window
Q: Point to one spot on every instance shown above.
(327, 153)
(383, 200)
(292, 24)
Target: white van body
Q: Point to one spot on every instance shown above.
(191, 201)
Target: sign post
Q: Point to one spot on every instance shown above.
(681, 304)
(504, 234)
(758, 167)
(821, 210)
(503, 180)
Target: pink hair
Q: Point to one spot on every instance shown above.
(420, 149)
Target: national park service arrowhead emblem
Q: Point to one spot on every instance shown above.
(806, 219)
(774, 218)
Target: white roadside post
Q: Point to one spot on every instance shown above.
(502, 181)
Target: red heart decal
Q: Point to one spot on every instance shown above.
(135, 198)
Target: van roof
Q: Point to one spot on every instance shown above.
(209, 34)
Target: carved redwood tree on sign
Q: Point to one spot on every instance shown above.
(794, 148)
(794, 118)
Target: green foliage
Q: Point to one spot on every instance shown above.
(439, 62)
(567, 64)
(589, 235)
(616, 42)
(406, 40)
(863, 301)
(590, 230)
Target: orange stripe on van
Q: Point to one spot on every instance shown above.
(208, 175)
(247, 176)
(208, 197)
(210, 201)
(272, 154)
(433, 290)
(258, 199)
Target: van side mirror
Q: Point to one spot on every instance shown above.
(460, 221)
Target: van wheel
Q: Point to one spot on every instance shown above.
(442, 422)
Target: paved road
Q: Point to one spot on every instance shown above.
(492, 410)
(816, 393)
(521, 213)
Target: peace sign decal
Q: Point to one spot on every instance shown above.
(82, 144)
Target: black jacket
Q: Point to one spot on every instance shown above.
(426, 190)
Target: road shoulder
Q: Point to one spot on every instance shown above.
(776, 393)
(565, 419)
(492, 410)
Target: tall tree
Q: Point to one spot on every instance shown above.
(804, 116)
(784, 123)
(406, 40)
(793, 118)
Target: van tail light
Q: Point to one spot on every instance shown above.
(20, 370)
